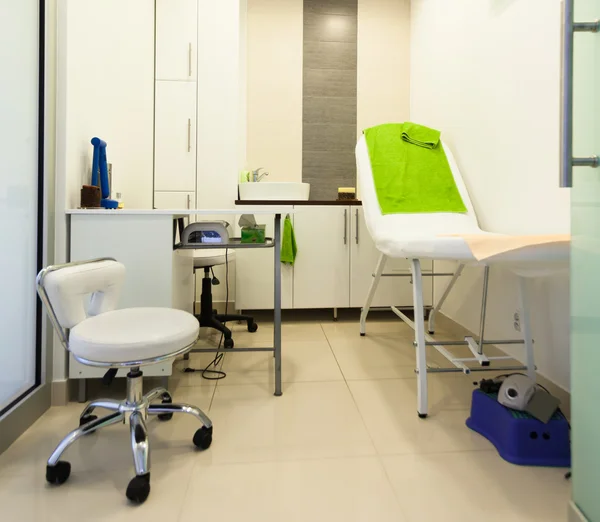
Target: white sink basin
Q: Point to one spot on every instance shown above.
(265, 190)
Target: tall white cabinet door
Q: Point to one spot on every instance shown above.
(363, 260)
(176, 39)
(175, 137)
(322, 267)
(174, 200)
(254, 289)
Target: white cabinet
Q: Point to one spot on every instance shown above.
(333, 269)
(254, 274)
(322, 267)
(174, 200)
(363, 259)
(176, 39)
(175, 137)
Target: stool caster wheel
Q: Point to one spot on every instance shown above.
(203, 438)
(59, 473)
(139, 488)
(228, 343)
(166, 416)
(87, 418)
(252, 326)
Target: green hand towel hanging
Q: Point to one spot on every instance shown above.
(289, 249)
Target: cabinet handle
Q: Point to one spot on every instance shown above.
(189, 135)
(190, 60)
(188, 201)
(357, 226)
(345, 226)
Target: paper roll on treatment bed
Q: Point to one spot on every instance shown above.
(441, 230)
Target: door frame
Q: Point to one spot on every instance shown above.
(22, 412)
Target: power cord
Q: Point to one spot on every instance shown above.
(208, 373)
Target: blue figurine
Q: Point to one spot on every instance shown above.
(100, 169)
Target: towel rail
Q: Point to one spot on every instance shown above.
(567, 161)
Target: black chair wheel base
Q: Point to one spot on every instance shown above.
(139, 488)
(252, 326)
(203, 438)
(87, 418)
(228, 343)
(59, 473)
(166, 416)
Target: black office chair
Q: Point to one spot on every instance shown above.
(208, 316)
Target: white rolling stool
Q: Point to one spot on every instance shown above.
(81, 300)
(209, 317)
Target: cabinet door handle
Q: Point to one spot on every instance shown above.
(189, 135)
(190, 60)
(357, 226)
(188, 201)
(345, 226)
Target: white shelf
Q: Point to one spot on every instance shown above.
(185, 212)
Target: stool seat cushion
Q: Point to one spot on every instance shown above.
(133, 334)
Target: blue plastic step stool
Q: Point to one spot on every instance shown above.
(519, 437)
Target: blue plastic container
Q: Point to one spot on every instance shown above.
(519, 437)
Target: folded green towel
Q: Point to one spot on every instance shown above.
(288, 243)
(420, 135)
(409, 178)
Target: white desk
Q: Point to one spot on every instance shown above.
(157, 274)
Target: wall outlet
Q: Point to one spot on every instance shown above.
(517, 321)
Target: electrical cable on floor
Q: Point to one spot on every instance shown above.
(208, 373)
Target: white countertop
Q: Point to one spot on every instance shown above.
(288, 209)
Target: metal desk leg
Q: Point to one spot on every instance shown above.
(277, 305)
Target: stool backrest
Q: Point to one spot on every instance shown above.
(75, 291)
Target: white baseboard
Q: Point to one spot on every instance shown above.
(575, 515)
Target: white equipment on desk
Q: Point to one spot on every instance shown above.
(203, 232)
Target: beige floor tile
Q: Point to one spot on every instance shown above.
(302, 361)
(180, 379)
(310, 420)
(96, 496)
(107, 449)
(389, 328)
(475, 486)
(333, 490)
(389, 410)
(290, 331)
(374, 356)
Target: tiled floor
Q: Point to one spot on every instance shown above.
(342, 444)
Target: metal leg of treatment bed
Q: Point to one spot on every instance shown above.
(424, 339)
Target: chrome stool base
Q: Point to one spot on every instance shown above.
(135, 409)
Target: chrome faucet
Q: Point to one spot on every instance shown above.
(256, 177)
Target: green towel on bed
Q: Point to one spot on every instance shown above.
(420, 135)
(288, 242)
(410, 170)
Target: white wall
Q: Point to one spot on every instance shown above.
(105, 88)
(486, 73)
(275, 55)
(274, 50)
(383, 72)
